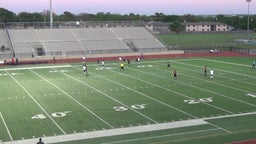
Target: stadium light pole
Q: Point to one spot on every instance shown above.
(51, 19)
(248, 18)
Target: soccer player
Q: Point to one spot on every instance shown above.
(253, 65)
(121, 66)
(205, 70)
(103, 63)
(85, 69)
(174, 74)
(211, 73)
(138, 60)
(128, 62)
(168, 65)
(83, 60)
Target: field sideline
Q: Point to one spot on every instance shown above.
(142, 104)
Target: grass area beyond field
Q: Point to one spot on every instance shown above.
(207, 40)
(142, 104)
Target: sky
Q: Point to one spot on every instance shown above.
(142, 7)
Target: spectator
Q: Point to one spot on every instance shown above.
(40, 141)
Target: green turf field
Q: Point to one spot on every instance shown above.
(143, 104)
(206, 40)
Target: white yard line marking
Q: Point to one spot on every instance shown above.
(131, 130)
(108, 96)
(6, 127)
(94, 114)
(37, 103)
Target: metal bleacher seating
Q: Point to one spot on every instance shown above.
(66, 41)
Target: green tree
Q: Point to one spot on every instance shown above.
(7, 16)
(67, 16)
(176, 27)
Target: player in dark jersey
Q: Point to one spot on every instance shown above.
(168, 65)
(205, 70)
(85, 68)
(174, 74)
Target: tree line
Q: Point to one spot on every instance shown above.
(239, 22)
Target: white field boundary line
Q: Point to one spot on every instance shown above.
(128, 130)
(222, 109)
(37, 103)
(161, 136)
(31, 68)
(6, 127)
(76, 101)
(210, 118)
(108, 96)
(163, 103)
(115, 132)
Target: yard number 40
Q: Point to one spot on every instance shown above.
(56, 115)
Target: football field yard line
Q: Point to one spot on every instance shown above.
(145, 95)
(108, 96)
(6, 127)
(37, 103)
(94, 114)
(190, 86)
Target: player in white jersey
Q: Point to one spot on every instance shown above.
(211, 73)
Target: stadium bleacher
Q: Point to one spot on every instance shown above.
(63, 41)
